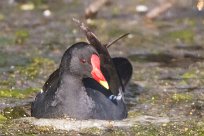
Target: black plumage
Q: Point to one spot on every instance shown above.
(71, 90)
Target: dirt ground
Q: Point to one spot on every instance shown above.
(166, 92)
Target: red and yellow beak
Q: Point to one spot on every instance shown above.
(96, 71)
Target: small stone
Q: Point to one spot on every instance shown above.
(185, 129)
(28, 6)
(164, 125)
(47, 13)
(141, 8)
(130, 36)
(12, 67)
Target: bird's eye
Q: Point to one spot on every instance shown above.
(82, 60)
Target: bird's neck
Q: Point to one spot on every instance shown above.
(70, 88)
(70, 83)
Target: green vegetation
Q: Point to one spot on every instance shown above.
(1, 17)
(91, 131)
(186, 35)
(132, 114)
(188, 75)
(38, 3)
(180, 97)
(37, 67)
(186, 128)
(17, 93)
(14, 112)
(2, 118)
(21, 36)
(6, 41)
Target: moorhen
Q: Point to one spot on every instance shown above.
(88, 84)
(78, 89)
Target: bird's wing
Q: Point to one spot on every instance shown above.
(124, 69)
(52, 81)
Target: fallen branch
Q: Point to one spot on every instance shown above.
(157, 11)
(92, 10)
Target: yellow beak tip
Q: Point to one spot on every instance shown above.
(104, 84)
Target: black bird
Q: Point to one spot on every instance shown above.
(79, 89)
(102, 93)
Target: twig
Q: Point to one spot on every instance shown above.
(114, 41)
(91, 37)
